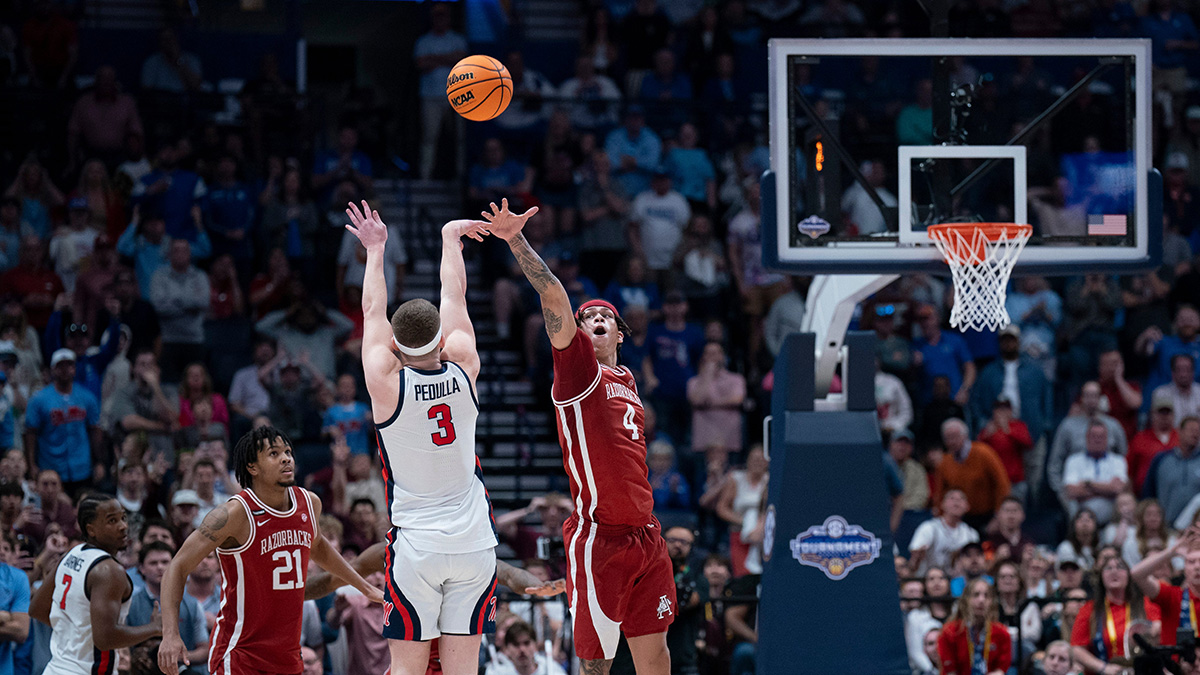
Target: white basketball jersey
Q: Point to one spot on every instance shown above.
(71, 646)
(434, 482)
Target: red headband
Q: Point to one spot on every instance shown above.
(596, 303)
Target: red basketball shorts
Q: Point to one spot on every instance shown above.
(619, 580)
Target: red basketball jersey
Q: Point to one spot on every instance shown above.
(600, 431)
(262, 589)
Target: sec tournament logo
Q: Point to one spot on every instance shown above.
(768, 542)
(835, 547)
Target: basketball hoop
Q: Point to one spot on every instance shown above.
(981, 258)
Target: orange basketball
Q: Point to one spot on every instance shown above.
(479, 88)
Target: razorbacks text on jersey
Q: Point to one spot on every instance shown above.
(71, 647)
(435, 486)
(262, 589)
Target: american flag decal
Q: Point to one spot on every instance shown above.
(1107, 225)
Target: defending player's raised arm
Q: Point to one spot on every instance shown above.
(456, 323)
(228, 526)
(379, 362)
(331, 561)
(556, 306)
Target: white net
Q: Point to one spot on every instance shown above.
(981, 258)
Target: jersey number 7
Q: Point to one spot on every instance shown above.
(445, 433)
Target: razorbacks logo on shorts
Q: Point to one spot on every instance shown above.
(664, 607)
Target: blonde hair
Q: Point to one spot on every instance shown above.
(963, 611)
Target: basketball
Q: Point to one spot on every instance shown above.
(479, 88)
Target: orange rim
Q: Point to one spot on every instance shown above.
(959, 247)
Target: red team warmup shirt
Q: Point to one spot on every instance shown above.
(600, 431)
(1169, 600)
(262, 590)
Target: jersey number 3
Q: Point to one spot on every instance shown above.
(445, 432)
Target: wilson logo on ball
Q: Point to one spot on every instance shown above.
(455, 78)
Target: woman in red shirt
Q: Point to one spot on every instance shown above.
(197, 385)
(975, 643)
(1098, 636)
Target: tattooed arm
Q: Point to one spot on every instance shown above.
(226, 526)
(556, 306)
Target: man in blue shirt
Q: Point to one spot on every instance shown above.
(62, 426)
(1172, 35)
(89, 367)
(193, 627)
(942, 353)
(14, 614)
(348, 417)
(675, 347)
(230, 209)
(634, 150)
(146, 241)
(1163, 348)
(173, 192)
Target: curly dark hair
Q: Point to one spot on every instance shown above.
(245, 452)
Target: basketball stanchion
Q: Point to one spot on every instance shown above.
(981, 258)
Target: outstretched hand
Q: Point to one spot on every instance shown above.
(475, 229)
(548, 589)
(504, 223)
(366, 225)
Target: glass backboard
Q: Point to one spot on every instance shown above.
(872, 141)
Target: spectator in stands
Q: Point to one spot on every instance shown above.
(290, 223)
(135, 164)
(1091, 303)
(38, 196)
(1037, 311)
(308, 331)
(602, 206)
(1182, 389)
(11, 230)
(231, 212)
(970, 563)
(349, 418)
(133, 311)
(101, 120)
(436, 52)
(1094, 478)
(1173, 477)
(1006, 540)
(193, 627)
(91, 362)
(659, 215)
(1157, 438)
(1123, 604)
(225, 291)
(72, 244)
(716, 395)
(247, 396)
(1124, 397)
(700, 266)
(498, 176)
(344, 163)
(1173, 36)
(14, 602)
(32, 282)
(363, 622)
(170, 69)
(672, 492)
(173, 192)
(1151, 532)
(180, 293)
(633, 287)
(140, 406)
(54, 509)
(862, 215)
(916, 481)
(293, 387)
(1071, 436)
(691, 170)
(61, 426)
(742, 494)
(1083, 538)
(941, 353)
(593, 97)
(196, 386)
(666, 92)
(644, 32)
(635, 150)
(1124, 522)
(93, 284)
(131, 484)
(203, 587)
(520, 654)
(724, 99)
(274, 288)
(786, 316)
(1024, 385)
(914, 124)
(1011, 440)
(676, 347)
(1020, 614)
(892, 403)
(976, 613)
(50, 46)
(974, 468)
(938, 540)
(528, 109)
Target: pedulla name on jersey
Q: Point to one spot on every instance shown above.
(617, 390)
(286, 538)
(436, 390)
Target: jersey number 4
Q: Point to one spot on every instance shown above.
(445, 432)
